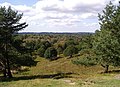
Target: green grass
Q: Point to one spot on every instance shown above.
(35, 83)
(62, 73)
(104, 81)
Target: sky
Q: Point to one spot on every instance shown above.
(59, 15)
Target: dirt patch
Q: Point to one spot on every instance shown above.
(69, 82)
(117, 76)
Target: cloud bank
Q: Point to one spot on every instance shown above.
(61, 15)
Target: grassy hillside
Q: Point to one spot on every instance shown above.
(62, 73)
(62, 65)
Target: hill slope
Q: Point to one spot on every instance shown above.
(62, 73)
(62, 65)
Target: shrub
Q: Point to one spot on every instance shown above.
(41, 51)
(50, 53)
(70, 50)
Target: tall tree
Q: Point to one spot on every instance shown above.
(9, 25)
(106, 40)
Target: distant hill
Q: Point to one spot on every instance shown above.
(82, 33)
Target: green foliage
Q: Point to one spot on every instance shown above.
(107, 48)
(9, 25)
(70, 50)
(17, 60)
(26, 60)
(69, 42)
(17, 43)
(107, 18)
(87, 58)
(50, 53)
(43, 44)
(85, 61)
(30, 45)
(110, 19)
(43, 47)
(41, 51)
(46, 44)
(85, 42)
(106, 41)
(59, 49)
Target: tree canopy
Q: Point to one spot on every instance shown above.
(10, 47)
(106, 40)
(70, 50)
(50, 53)
(105, 43)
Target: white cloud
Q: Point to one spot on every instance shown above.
(61, 13)
(5, 4)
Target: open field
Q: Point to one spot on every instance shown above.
(62, 73)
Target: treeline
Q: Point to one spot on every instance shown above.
(51, 46)
(50, 33)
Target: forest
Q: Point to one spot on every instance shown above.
(60, 59)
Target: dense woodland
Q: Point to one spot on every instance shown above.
(100, 48)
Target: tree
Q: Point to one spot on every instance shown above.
(9, 25)
(46, 44)
(85, 42)
(110, 19)
(50, 53)
(107, 48)
(70, 50)
(107, 18)
(30, 45)
(24, 60)
(41, 51)
(42, 47)
(69, 42)
(106, 40)
(59, 49)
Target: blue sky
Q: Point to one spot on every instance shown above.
(20, 2)
(59, 15)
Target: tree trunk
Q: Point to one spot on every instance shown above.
(4, 72)
(106, 68)
(70, 56)
(9, 71)
(4, 69)
(9, 74)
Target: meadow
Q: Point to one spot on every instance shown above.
(63, 73)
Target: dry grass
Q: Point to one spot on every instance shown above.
(62, 65)
(62, 73)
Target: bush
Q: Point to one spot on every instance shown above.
(87, 58)
(84, 61)
(41, 51)
(70, 50)
(60, 50)
(50, 53)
